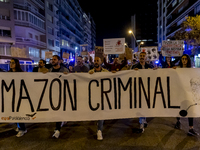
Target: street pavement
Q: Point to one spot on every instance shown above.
(118, 135)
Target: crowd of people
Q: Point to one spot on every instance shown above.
(96, 66)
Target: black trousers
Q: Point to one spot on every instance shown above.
(58, 125)
(21, 126)
(190, 120)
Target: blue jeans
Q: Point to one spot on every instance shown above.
(142, 120)
(100, 125)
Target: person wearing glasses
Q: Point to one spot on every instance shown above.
(15, 67)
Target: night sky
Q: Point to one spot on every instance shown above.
(112, 18)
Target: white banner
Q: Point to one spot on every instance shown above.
(172, 48)
(114, 46)
(37, 97)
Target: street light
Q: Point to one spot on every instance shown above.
(141, 43)
(126, 45)
(131, 32)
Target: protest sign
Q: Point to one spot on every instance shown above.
(152, 52)
(172, 48)
(65, 55)
(114, 46)
(84, 49)
(128, 52)
(51, 97)
(99, 52)
(48, 55)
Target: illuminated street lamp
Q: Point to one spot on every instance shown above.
(126, 45)
(141, 43)
(131, 32)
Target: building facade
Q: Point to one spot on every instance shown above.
(171, 13)
(29, 28)
(143, 25)
(7, 29)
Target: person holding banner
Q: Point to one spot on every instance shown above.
(167, 63)
(185, 62)
(115, 66)
(142, 65)
(57, 68)
(98, 68)
(15, 67)
(80, 66)
(41, 66)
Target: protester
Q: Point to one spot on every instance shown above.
(98, 68)
(62, 63)
(134, 61)
(48, 66)
(167, 63)
(71, 68)
(115, 66)
(57, 68)
(41, 66)
(185, 62)
(86, 63)
(91, 63)
(15, 67)
(142, 65)
(80, 66)
(126, 67)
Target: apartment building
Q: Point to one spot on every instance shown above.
(7, 29)
(29, 28)
(52, 27)
(171, 13)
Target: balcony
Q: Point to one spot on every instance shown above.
(29, 41)
(68, 22)
(40, 3)
(176, 15)
(69, 11)
(29, 9)
(29, 24)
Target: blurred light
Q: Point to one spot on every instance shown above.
(142, 43)
(130, 31)
(76, 48)
(156, 61)
(198, 55)
(188, 30)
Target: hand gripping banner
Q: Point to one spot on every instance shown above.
(51, 97)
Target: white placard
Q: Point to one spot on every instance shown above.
(114, 46)
(172, 48)
(152, 53)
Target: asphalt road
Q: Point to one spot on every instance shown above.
(118, 135)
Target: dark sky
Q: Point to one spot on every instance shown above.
(112, 18)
